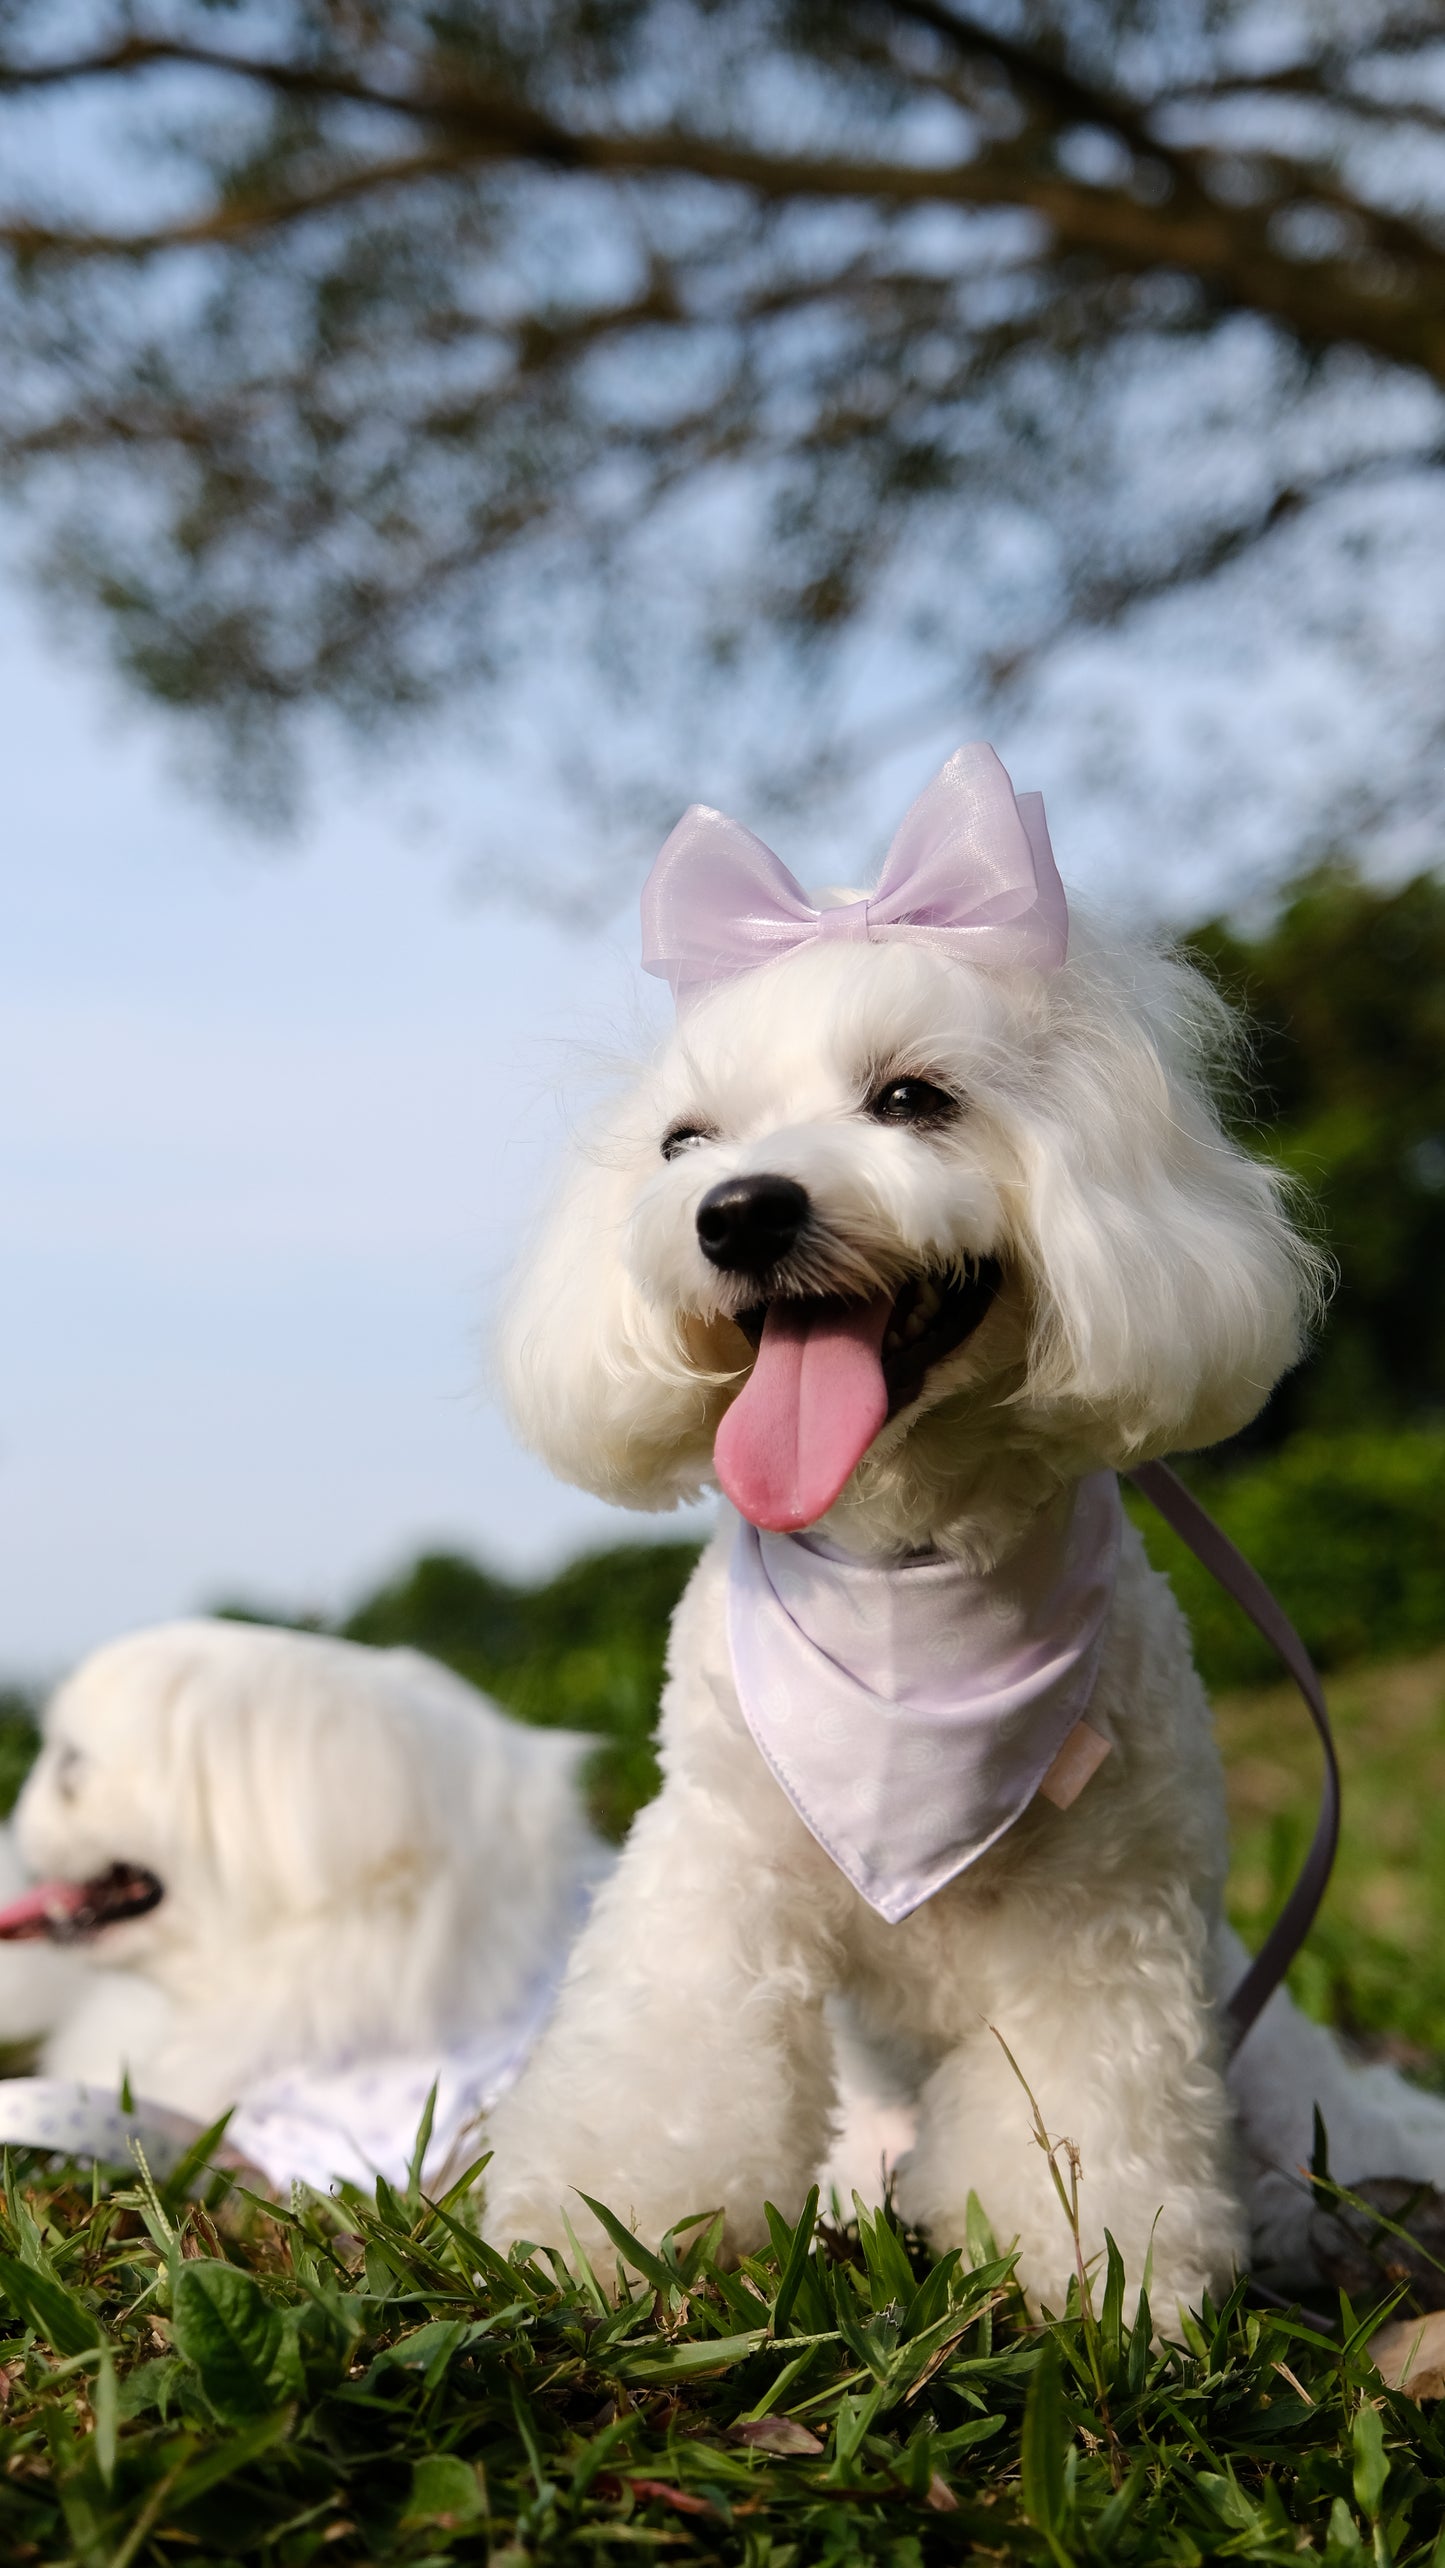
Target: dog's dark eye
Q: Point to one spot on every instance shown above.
(684, 1137)
(912, 1101)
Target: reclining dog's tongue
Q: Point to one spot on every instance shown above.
(808, 1412)
(43, 1910)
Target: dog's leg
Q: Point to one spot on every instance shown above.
(688, 2066)
(1112, 2028)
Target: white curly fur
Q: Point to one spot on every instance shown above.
(1154, 1291)
(359, 1854)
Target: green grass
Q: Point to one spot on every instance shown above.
(358, 2381)
(1375, 1963)
(365, 2381)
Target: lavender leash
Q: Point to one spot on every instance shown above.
(1182, 1512)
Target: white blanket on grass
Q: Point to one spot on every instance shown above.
(353, 2122)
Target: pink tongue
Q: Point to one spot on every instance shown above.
(808, 1412)
(40, 1911)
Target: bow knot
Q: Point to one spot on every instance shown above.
(970, 871)
(846, 919)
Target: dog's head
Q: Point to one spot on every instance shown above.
(878, 1223)
(210, 1784)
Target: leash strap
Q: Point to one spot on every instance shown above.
(1182, 1512)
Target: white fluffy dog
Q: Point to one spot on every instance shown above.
(268, 1849)
(943, 1231)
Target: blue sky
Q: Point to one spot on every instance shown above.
(270, 1125)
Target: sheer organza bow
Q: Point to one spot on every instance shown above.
(970, 871)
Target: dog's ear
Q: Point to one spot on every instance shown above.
(1169, 1284)
(596, 1378)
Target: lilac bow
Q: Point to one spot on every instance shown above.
(970, 871)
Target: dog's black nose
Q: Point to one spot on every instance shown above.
(747, 1224)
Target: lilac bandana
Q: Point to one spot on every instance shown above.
(911, 1711)
(970, 871)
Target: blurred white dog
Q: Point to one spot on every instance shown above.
(915, 1232)
(264, 1852)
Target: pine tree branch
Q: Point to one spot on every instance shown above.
(1064, 95)
(1311, 89)
(240, 217)
(1323, 303)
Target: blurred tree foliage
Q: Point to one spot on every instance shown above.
(1347, 1531)
(1346, 991)
(352, 352)
(19, 1734)
(1345, 1528)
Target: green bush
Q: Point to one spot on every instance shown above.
(1344, 988)
(19, 1739)
(1349, 1531)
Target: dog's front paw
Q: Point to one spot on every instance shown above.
(1047, 2278)
(539, 2208)
(545, 2209)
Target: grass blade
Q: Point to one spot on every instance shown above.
(796, 2264)
(643, 2261)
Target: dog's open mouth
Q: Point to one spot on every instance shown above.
(64, 1911)
(828, 1375)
